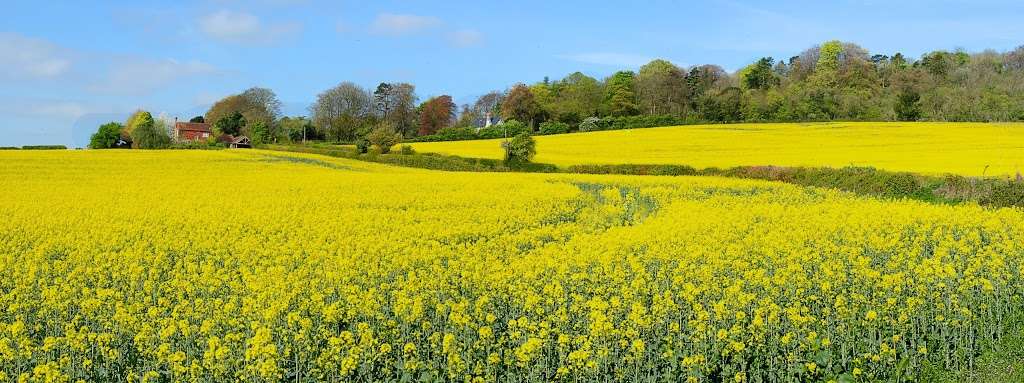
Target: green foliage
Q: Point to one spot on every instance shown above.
(759, 75)
(551, 127)
(508, 128)
(44, 147)
(407, 150)
(383, 137)
(259, 133)
(450, 134)
(9, 148)
(197, 119)
(590, 124)
(907, 107)
(230, 124)
(106, 136)
(149, 134)
(362, 145)
(620, 94)
(520, 149)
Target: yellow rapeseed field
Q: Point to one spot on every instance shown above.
(214, 266)
(932, 148)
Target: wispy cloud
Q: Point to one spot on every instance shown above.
(465, 38)
(24, 57)
(609, 59)
(139, 76)
(244, 28)
(396, 24)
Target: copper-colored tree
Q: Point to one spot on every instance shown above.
(435, 114)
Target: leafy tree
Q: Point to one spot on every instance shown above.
(577, 96)
(384, 137)
(297, 129)
(520, 149)
(435, 114)
(907, 107)
(759, 75)
(520, 104)
(231, 124)
(661, 88)
(620, 94)
(106, 136)
(259, 133)
(197, 119)
(148, 134)
(133, 121)
(342, 111)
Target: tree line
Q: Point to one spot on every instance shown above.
(831, 81)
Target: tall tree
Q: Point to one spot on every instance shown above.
(383, 98)
(661, 88)
(520, 104)
(342, 111)
(759, 75)
(620, 94)
(148, 134)
(578, 96)
(402, 109)
(435, 114)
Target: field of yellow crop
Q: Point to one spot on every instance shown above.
(264, 266)
(932, 148)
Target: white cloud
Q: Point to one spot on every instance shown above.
(396, 25)
(464, 38)
(140, 76)
(61, 110)
(609, 59)
(241, 27)
(23, 57)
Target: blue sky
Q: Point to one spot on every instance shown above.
(67, 66)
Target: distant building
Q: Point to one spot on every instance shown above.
(192, 131)
(241, 142)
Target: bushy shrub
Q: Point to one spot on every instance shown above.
(553, 127)
(520, 149)
(407, 150)
(1004, 194)
(362, 145)
(590, 124)
(106, 136)
(509, 128)
(384, 137)
(900, 185)
(455, 134)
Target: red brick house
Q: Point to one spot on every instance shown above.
(192, 131)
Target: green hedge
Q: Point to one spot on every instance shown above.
(44, 147)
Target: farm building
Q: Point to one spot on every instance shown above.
(192, 131)
(241, 142)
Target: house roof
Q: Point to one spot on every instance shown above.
(193, 127)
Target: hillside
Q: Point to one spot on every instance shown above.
(928, 148)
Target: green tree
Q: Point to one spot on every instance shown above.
(106, 136)
(520, 149)
(661, 88)
(384, 137)
(907, 107)
(148, 134)
(620, 94)
(759, 75)
(231, 124)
